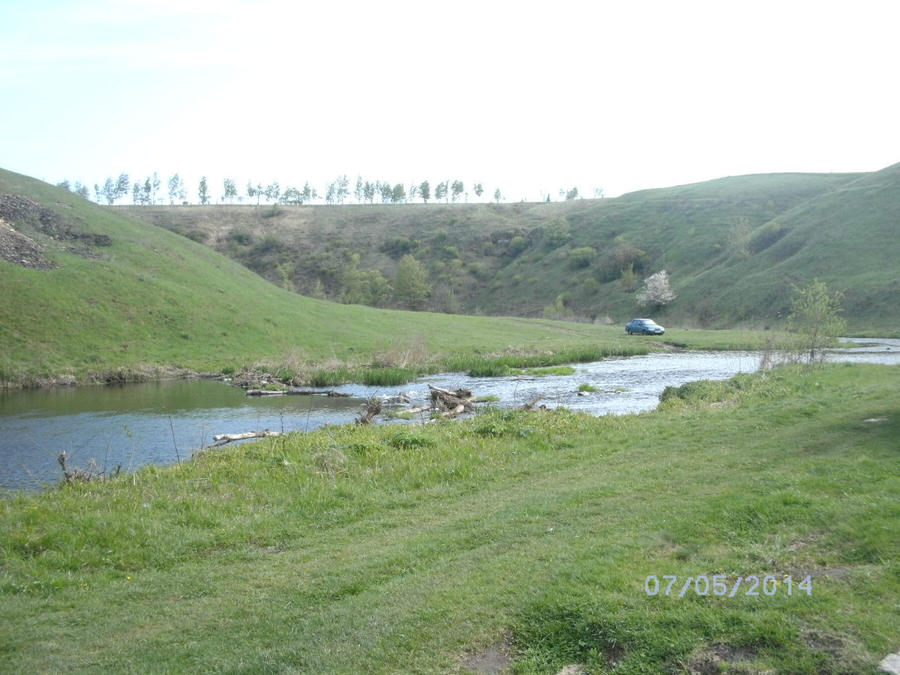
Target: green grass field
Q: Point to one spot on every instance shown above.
(521, 540)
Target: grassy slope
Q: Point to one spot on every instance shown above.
(684, 229)
(159, 299)
(846, 237)
(413, 549)
(839, 227)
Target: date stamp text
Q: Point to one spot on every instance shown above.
(719, 584)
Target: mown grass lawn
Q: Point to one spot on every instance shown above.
(519, 539)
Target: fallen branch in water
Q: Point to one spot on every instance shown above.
(373, 409)
(331, 393)
(530, 405)
(222, 439)
(76, 474)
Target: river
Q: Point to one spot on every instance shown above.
(164, 422)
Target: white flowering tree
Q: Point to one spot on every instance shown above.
(656, 291)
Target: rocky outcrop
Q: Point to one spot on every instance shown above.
(21, 249)
(27, 224)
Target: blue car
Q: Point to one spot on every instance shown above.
(644, 327)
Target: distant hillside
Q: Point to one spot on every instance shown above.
(733, 248)
(88, 289)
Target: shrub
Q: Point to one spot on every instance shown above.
(516, 245)
(241, 237)
(582, 257)
(815, 316)
(398, 247)
(624, 257)
(558, 234)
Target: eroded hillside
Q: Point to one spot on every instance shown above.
(734, 249)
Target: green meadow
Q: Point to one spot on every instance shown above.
(516, 541)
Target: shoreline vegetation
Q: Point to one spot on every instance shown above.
(405, 363)
(523, 535)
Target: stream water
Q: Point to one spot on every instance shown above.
(164, 422)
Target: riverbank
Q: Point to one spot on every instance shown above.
(163, 422)
(525, 537)
(484, 353)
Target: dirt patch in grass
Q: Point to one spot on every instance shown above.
(722, 658)
(842, 652)
(818, 641)
(492, 659)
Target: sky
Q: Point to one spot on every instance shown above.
(526, 97)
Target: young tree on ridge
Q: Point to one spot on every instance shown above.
(272, 192)
(255, 191)
(176, 189)
(122, 184)
(386, 192)
(291, 195)
(203, 192)
(113, 190)
(369, 191)
(457, 189)
(229, 190)
(154, 188)
(343, 189)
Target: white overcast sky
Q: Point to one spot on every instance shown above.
(525, 96)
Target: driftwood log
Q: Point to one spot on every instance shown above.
(452, 402)
(222, 439)
(297, 392)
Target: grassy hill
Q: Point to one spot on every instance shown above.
(734, 248)
(92, 293)
(847, 237)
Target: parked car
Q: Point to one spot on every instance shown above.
(644, 327)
